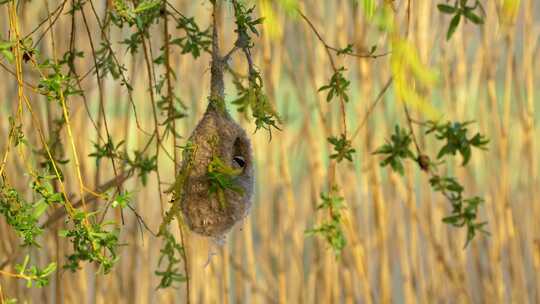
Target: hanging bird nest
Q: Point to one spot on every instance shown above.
(214, 186)
(217, 181)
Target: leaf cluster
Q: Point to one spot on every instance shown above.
(342, 147)
(56, 85)
(21, 215)
(140, 16)
(196, 41)
(337, 87)
(464, 210)
(143, 164)
(107, 64)
(6, 49)
(122, 200)
(140, 162)
(107, 150)
(92, 242)
(144, 14)
(171, 254)
(252, 98)
(222, 177)
(331, 229)
(461, 9)
(33, 274)
(396, 150)
(16, 132)
(245, 24)
(455, 137)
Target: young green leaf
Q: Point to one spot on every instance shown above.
(447, 9)
(474, 18)
(454, 23)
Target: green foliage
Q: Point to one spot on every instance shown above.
(252, 98)
(6, 50)
(107, 64)
(143, 164)
(21, 215)
(142, 16)
(122, 200)
(195, 41)
(33, 274)
(337, 87)
(342, 147)
(348, 50)
(92, 242)
(222, 177)
(176, 189)
(331, 229)
(396, 150)
(464, 210)
(56, 85)
(461, 9)
(109, 150)
(171, 254)
(245, 23)
(43, 186)
(16, 132)
(455, 135)
(69, 58)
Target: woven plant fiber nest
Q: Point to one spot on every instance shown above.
(217, 135)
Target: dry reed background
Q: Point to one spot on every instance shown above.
(398, 249)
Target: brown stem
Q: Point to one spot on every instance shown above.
(217, 86)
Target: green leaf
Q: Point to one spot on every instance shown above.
(479, 141)
(466, 154)
(6, 50)
(469, 14)
(39, 208)
(342, 147)
(63, 233)
(454, 23)
(447, 9)
(49, 269)
(146, 5)
(453, 219)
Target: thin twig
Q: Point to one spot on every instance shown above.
(331, 48)
(372, 107)
(334, 68)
